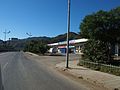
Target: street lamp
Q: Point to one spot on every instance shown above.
(68, 30)
(29, 34)
(6, 32)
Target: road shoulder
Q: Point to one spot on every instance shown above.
(108, 81)
(61, 70)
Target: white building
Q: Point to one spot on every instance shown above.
(75, 46)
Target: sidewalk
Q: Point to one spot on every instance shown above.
(111, 82)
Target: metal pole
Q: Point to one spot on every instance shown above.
(5, 35)
(29, 34)
(68, 30)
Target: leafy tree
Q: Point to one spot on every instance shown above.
(5, 48)
(36, 46)
(96, 51)
(43, 48)
(103, 27)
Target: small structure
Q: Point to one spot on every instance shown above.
(14, 39)
(75, 46)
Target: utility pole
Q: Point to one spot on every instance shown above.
(6, 32)
(68, 30)
(29, 34)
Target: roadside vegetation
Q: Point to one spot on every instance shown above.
(103, 31)
(20, 44)
(36, 46)
(112, 69)
(5, 47)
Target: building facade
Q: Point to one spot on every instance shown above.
(75, 46)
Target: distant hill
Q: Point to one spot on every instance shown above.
(1, 41)
(19, 44)
(58, 38)
(63, 37)
(38, 38)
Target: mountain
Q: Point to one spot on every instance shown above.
(63, 37)
(58, 38)
(37, 38)
(19, 44)
(1, 41)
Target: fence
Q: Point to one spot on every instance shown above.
(101, 67)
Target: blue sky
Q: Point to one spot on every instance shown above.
(46, 17)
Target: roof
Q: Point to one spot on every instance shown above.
(70, 42)
(81, 40)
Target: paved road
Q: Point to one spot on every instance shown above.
(19, 72)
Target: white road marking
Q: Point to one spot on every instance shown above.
(5, 65)
(2, 54)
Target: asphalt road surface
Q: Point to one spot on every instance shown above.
(19, 72)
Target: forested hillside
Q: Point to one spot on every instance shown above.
(20, 43)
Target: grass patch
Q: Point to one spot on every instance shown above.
(115, 70)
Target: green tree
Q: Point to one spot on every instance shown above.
(96, 51)
(103, 27)
(43, 48)
(36, 46)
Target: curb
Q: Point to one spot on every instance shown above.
(31, 54)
